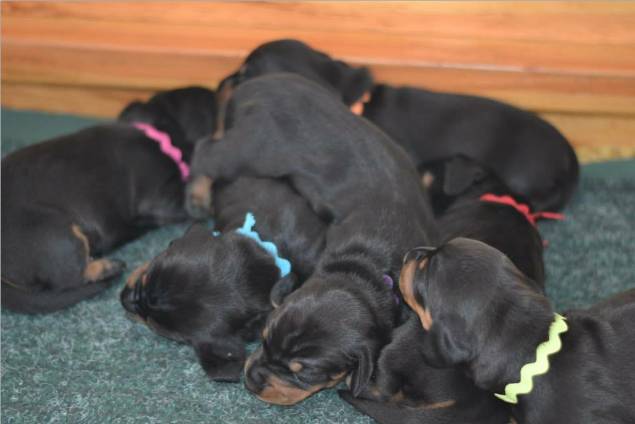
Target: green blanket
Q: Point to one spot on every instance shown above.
(90, 364)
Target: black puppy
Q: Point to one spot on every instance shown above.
(407, 389)
(528, 154)
(482, 314)
(348, 83)
(365, 186)
(402, 378)
(67, 200)
(474, 203)
(213, 291)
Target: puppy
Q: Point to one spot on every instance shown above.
(364, 185)
(456, 187)
(346, 82)
(465, 193)
(68, 200)
(213, 291)
(402, 378)
(408, 390)
(525, 152)
(483, 315)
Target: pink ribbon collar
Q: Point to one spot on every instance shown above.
(165, 143)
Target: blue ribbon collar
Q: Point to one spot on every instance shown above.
(247, 230)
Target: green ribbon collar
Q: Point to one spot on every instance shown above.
(539, 366)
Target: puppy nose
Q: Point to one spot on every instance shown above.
(255, 379)
(127, 299)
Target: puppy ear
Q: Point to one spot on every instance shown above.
(447, 343)
(360, 377)
(283, 287)
(355, 84)
(459, 174)
(135, 111)
(222, 359)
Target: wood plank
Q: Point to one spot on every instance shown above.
(84, 101)
(367, 47)
(585, 131)
(581, 22)
(595, 130)
(37, 63)
(72, 66)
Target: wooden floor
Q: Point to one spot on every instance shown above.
(572, 62)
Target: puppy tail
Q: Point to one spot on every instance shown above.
(46, 301)
(393, 413)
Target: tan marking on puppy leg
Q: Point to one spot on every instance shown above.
(295, 366)
(335, 379)
(222, 100)
(406, 281)
(437, 405)
(397, 397)
(265, 332)
(427, 179)
(96, 269)
(136, 274)
(358, 107)
(201, 192)
(77, 232)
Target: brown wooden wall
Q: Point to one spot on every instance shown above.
(573, 62)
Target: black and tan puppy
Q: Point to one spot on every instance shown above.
(407, 389)
(68, 200)
(346, 82)
(365, 185)
(214, 291)
(402, 379)
(482, 314)
(526, 153)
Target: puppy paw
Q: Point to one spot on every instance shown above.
(103, 269)
(198, 197)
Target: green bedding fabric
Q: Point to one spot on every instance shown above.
(90, 364)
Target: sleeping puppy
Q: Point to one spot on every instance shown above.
(213, 292)
(483, 315)
(525, 152)
(368, 190)
(346, 82)
(70, 199)
(402, 378)
(408, 390)
(460, 189)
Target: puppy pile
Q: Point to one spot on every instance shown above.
(383, 238)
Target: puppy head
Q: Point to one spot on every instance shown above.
(316, 338)
(349, 83)
(471, 300)
(186, 114)
(209, 292)
(555, 183)
(458, 177)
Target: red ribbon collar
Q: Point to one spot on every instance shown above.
(521, 208)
